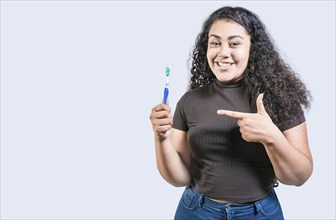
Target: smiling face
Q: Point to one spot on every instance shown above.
(228, 50)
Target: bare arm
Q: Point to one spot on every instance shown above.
(290, 155)
(172, 154)
(288, 151)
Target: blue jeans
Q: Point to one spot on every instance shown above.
(197, 206)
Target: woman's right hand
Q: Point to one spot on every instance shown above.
(161, 121)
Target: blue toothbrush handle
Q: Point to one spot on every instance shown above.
(165, 95)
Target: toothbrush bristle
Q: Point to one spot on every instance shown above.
(167, 71)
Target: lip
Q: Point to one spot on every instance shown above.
(224, 65)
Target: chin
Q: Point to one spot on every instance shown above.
(228, 77)
(224, 78)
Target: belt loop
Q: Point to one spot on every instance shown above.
(201, 200)
(256, 207)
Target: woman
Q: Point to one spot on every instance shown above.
(239, 129)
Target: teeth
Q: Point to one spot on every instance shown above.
(223, 64)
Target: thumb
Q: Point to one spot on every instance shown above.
(260, 104)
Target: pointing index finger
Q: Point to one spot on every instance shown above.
(232, 114)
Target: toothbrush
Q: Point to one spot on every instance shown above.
(166, 89)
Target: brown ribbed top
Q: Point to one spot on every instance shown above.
(223, 165)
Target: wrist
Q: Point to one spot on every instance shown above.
(272, 136)
(162, 137)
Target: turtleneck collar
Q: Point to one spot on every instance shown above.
(220, 84)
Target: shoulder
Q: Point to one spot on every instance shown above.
(294, 120)
(198, 92)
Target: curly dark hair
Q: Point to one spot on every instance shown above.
(284, 93)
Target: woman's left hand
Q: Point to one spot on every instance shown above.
(254, 127)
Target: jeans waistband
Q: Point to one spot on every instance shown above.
(204, 200)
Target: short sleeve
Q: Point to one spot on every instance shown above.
(179, 119)
(295, 120)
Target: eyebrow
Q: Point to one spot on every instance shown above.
(230, 37)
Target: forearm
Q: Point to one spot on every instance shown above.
(170, 164)
(291, 166)
(288, 151)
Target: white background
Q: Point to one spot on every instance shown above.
(78, 81)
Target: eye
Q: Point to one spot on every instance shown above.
(214, 44)
(234, 44)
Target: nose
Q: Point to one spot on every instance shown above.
(224, 51)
